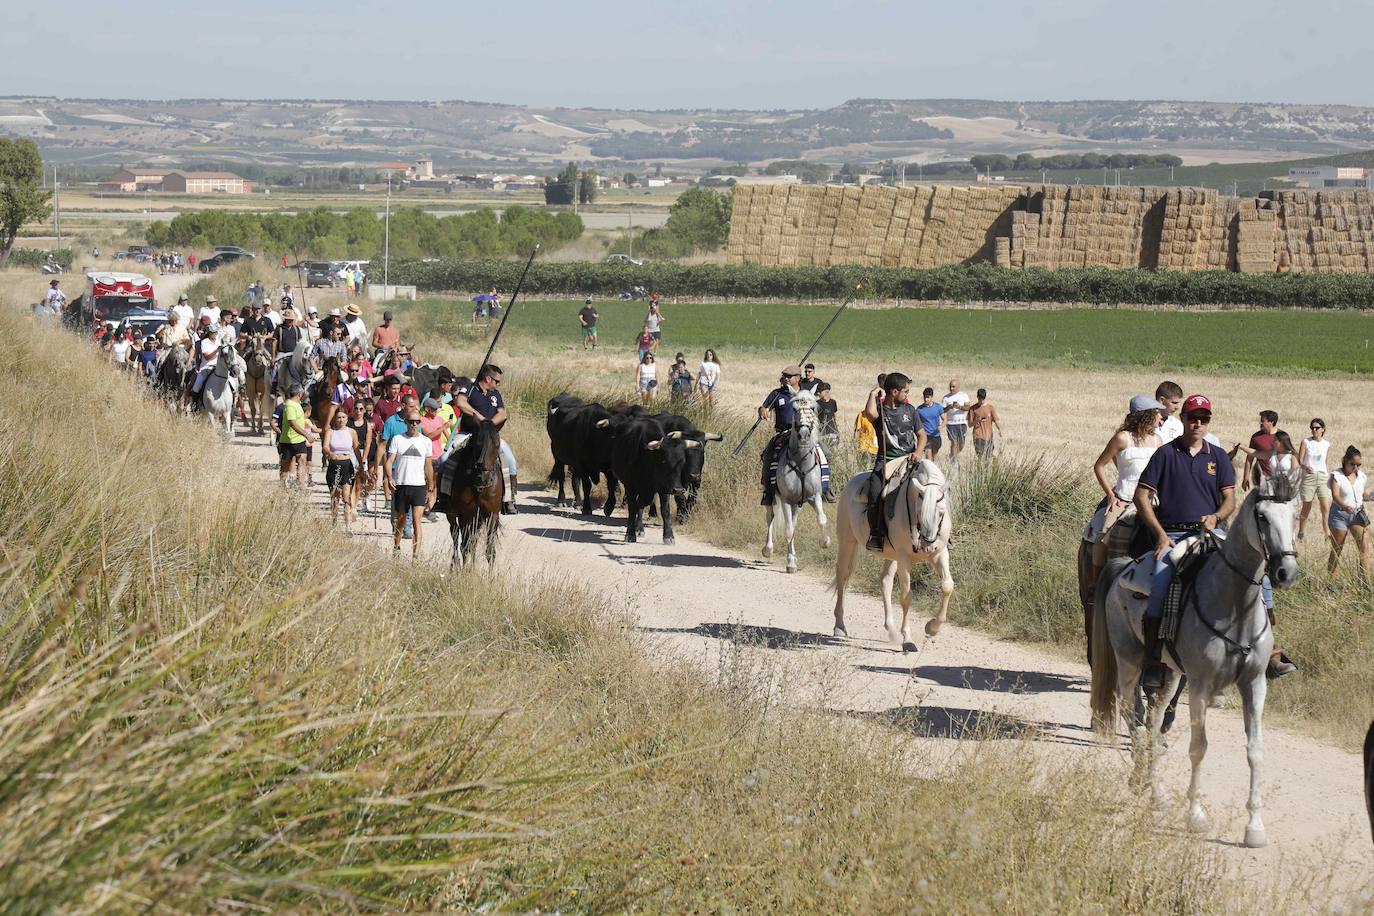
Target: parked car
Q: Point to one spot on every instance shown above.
(212, 264)
(623, 259)
(218, 249)
(322, 273)
(136, 250)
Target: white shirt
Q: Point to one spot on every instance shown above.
(648, 372)
(1350, 494)
(409, 454)
(55, 299)
(209, 351)
(187, 315)
(709, 374)
(273, 316)
(120, 349)
(211, 310)
(1171, 429)
(228, 335)
(356, 330)
(954, 405)
(1316, 455)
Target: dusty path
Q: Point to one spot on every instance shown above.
(698, 603)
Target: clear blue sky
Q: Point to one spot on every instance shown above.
(706, 53)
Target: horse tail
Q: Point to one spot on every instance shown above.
(1104, 693)
(848, 555)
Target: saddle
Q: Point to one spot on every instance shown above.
(930, 512)
(1188, 556)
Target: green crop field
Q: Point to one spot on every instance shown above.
(1302, 343)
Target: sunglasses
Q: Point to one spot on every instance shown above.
(1315, 428)
(412, 422)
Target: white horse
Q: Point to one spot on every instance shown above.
(798, 480)
(1223, 638)
(918, 532)
(222, 386)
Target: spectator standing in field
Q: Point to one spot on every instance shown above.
(646, 378)
(1170, 394)
(386, 336)
(437, 430)
(1349, 491)
(826, 408)
(681, 379)
(1315, 476)
(1260, 451)
(956, 418)
(586, 319)
(983, 421)
(708, 376)
(644, 343)
(359, 278)
(809, 382)
(55, 300)
(653, 323)
(931, 415)
(147, 357)
(410, 478)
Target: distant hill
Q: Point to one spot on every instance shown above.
(340, 131)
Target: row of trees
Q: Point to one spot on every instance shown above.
(359, 233)
(698, 221)
(1028, 163)
(571, 184)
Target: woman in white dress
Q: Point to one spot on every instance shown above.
(708, 377)
(646, 378)
(1315, 476)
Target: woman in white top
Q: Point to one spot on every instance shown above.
(646, 378)
(708, 377)
(1348, 494)
(120, 349)
(1129, 449)
(654, 323)
(1315, 477)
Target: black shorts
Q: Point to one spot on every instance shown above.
(411, 496)
(656, 335)
(289, 450)
(933, 443)
(956, 432)
(338, 474)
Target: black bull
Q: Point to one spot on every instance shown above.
(649, 461)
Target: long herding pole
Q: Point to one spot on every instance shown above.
(300, 278)
(833, 318)
(513, 296)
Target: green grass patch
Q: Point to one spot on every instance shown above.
(1250, 341)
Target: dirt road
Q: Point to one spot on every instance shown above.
(707, 606)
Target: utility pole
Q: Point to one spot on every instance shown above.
(1104, 176)
(386, 234)
(630, 224)
(1171, 174)
(57, 207)
(1042, 176)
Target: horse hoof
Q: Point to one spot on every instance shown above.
(1255, 838)
(792, 568)
(908, 648)
(670, 540)
(825, 543)
(932, 626)
(767, 552)
(1198, 823)
(841, 632)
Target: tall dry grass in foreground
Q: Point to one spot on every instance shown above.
(210, 701)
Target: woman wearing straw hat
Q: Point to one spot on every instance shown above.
(355, 331)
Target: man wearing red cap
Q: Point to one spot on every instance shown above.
(1196, 488)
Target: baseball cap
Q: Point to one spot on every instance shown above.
(311, 310)
(430, 404)
(1144, 402)
(1195, 403)
(182, 298)
(792, 370)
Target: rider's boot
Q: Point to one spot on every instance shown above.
(508, 507)
(767, 481)
(1155, 671)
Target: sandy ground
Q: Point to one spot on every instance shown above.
(701, 605)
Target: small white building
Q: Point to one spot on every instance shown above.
(1332, 176)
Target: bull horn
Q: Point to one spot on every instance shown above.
(691, 443)
(602, 424)
(714, 437)
(654, 445)
(675, 434)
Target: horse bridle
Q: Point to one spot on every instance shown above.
(1271, 560)
(926, 544)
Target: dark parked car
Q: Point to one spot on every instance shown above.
(322, 273)
(210, 265)
(242, 252)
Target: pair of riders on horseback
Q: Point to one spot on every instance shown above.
(781, 404)
(901, 442)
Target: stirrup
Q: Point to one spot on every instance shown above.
(1154, 676)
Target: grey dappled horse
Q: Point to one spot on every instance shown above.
(1224, 639)
(798, 481)
(221, 389)
(918, 532)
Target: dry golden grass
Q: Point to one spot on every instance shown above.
(212, 701)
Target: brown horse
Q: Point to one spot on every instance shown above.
(259, 389)
(321, 393)
(477, 487)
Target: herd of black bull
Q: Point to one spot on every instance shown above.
(650, 455)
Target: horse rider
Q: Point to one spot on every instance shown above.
(779, 403)
(208, 350)
(482, 401)
(330, 346)
(385, 336)
(255, 325)
(284, 340)
(901, 440)
(1195, 486)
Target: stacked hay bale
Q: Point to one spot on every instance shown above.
(1187, 237)
(917, 225)
(737, 246)
(1256, 233)
(813, 200)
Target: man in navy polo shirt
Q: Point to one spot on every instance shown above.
(481, 402)
(1196, 486)
(780, 403)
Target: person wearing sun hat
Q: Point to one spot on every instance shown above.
(354, 328)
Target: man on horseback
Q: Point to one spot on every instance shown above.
(1195, 486)
(901, 440)
(284, 342)
(780, 404)
(482, 401)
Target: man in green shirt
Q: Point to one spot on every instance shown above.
(296, 437)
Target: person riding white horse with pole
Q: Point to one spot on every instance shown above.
(779, 404)
(901, 439)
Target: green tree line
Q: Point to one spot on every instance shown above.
(360, 232)
(1025, 162)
